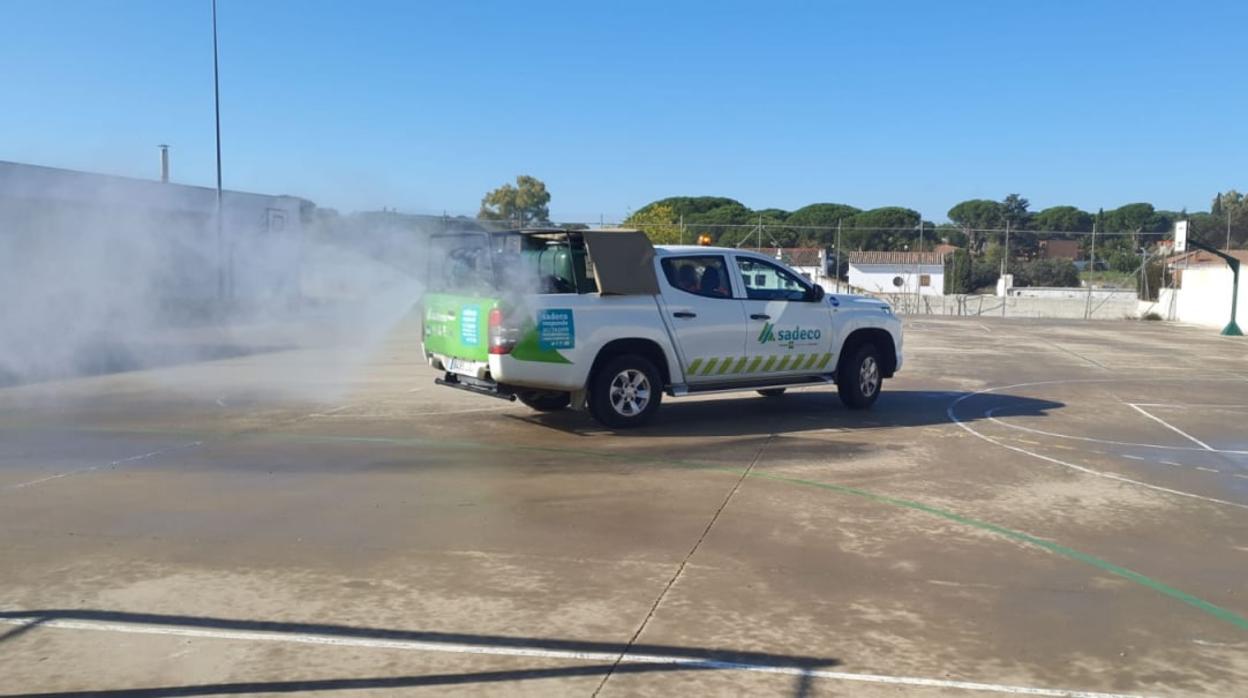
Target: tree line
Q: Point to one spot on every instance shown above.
(975, 224)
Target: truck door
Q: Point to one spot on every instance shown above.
(788, 331)
(706, 318)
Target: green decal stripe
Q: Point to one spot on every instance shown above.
(811, 362)
(770, 360)
(693, 367)
(825, 360)
(710, 366)
(783, 362)
(727, 364)
(754, 364)
(797, 362)
(740, 365)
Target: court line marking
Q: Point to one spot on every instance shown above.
(93, 468)
(991, 415)
(457, 648)
(951, 412)
(1171, 427)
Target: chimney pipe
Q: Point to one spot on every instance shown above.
(164, 162)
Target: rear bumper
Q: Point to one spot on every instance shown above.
(473, 385)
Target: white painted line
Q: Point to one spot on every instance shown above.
(1173, 428)
(1208, 470)
(950, 412)
(79, 471)
(991, 415)
(1131, 457)
(1170, 462)
(463, 648)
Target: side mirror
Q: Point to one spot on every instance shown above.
(815, 293)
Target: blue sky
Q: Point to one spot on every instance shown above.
(424, 107)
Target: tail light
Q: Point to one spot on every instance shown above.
(502, 338)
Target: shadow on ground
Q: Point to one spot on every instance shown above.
(666, 658)
(753, 415)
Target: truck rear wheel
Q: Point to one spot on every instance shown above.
(858, 377)
(625, 392)
(545, 401)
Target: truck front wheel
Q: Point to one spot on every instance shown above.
(544, 401)
(858, 377)
(625, 392)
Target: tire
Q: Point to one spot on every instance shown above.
(858, 378)
(625, 392)
(545, 401)
(772, 392)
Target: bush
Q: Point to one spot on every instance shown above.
(1046, 272)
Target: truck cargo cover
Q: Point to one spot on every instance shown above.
(623, 262)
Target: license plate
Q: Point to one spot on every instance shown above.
(462, 367)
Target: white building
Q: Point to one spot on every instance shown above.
(898, 272)
(810, 262)
(1203, 296)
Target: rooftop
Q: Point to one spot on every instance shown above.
(893, 257)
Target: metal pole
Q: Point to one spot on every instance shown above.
(918, 272)
(1228, 226)
(682, 228)
(216, 98)
(838, 255)
(1005, 266)
(1087, 306)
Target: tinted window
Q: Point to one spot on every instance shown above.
(703, 276)
(768, 282)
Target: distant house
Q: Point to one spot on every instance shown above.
(810, 262)
(898, 272)
(1060, 249)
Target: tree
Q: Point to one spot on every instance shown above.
(885, 228)
(527, 202)
(958, 273)
(824, 216)
(1047, 272)
(1230, 207)
(1014, 211)
(1066, 219)
(975, 215)
(659, 223)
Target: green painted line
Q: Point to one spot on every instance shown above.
(693, 367)
(797, 362)
(809, 364)
(783, 362)
(740, 364)
(770, 360)
(710, 366)
(1130, 575)
(727, 364)
(826, 359)
(754, 364)
(1145, 581)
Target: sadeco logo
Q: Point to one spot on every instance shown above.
(797, 334)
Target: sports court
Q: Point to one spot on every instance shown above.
(1032, 507)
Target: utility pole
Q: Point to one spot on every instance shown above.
(760, 233)
(682, 228)
(1228, 226)
(1087, 308)
(918, 271)
(216, 98)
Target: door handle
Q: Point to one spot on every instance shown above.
(684, 314)
(760, 316)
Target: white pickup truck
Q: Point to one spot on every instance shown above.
(604, 320)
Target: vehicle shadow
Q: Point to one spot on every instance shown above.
(599, 658)
(745, 414)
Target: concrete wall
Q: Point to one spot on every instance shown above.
(1205, 297)
(878, 278)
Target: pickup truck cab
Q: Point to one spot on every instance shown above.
(602, 320)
